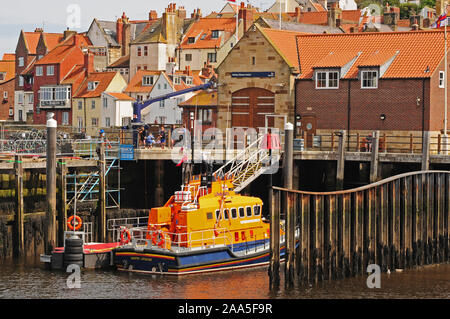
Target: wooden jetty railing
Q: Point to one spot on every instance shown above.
(397, 223)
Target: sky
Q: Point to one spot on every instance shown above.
(56, 15)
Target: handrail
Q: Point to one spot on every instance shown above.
(362, 188)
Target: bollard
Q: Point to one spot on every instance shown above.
(50, 228)
(374, 157)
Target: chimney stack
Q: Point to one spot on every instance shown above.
(89, 63)
(334, 14)
(68, 33)
(39, 30)
(152, 15)
(246, 15)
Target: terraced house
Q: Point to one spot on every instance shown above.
(89, 105)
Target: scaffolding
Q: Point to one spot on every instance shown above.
(87, 184)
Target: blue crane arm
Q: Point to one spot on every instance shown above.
(139, 106)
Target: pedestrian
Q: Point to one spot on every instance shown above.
(141, 136)
(150, 140)
(162, 137)
(369, 143)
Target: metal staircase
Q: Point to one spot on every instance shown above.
(87, 185)
(250, 163)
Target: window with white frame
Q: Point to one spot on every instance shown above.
(147, 80)
(2, 76)
(20, 98)
(107, 122)
(92, 85)
(441, 79)
(93, 104)
(327, 79)
(11, 112)
(162, 103)
(188, 80)
(39, 71)
(176, 79)
(105, 102)
(30, 98)
(65, 118)
(21, 61)
(80, 122)
(55, 93)
(369, 79)
(215, 34)
(212, 57)
(188, 57)
(5, 94)
(50, 70)
(94, 121)
(21, 82)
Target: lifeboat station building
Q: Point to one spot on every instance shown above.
(257, 80)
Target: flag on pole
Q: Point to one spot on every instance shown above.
(441, 21)
(182, 160)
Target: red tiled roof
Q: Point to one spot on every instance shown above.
(206, 26)
(75, 77)
(334, 60)
(376, 48)
(8, 67)
(57, 55)
(31, 41)
(9, 57)
(314, 18)
(203, 98)
(135, 85)
(120, 96)
(104, 80)
(318, 7)
(284, 41)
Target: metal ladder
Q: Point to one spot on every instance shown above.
(249, 164)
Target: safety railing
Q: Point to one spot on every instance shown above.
(151, 236)
(388, 143)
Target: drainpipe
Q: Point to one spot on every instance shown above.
(348, 116)
(423, 110)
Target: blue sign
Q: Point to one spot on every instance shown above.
(253, 74)
(126, 152)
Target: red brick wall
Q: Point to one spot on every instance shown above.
(437, 101)
(7, 104)
(394, 98)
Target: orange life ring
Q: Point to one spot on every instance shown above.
(158, 239)
(78, 221)
(124, 232)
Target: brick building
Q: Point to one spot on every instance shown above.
(57, 75)
(31, 46)
(392, 82)
(7, 87)
(203, 108)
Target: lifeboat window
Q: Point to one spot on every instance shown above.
(209, 215)
(241, 212)
(225, 213)
(217, 214)
(249, 211)
(233, 213)
(256, 210)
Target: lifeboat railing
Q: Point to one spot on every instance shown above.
(182, 241)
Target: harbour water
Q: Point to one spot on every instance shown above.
(28, 279)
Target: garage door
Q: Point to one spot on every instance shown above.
(250, 106)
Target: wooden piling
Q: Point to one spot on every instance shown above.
(374, 157)
(50, 222)
(400, 222)
(341, 160)
(426, 151)
(18, 233)
(288, 172)
(274, 267)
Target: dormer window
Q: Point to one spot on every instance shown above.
(327, 79)
(215, 34)
(176, 80)
(147, 80)
(369, 79)
(92, 85)
(188, 80)
(191, 40)
(2, 76)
